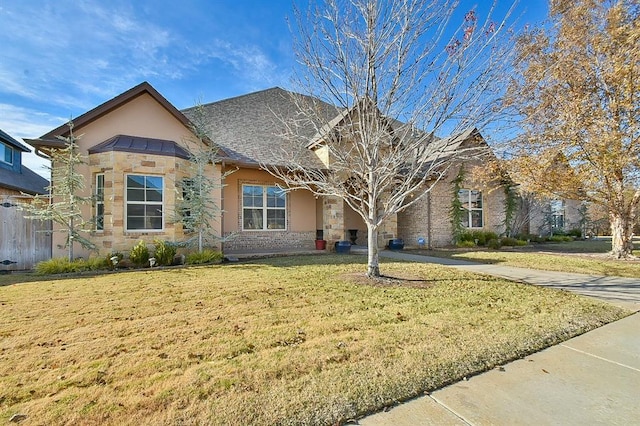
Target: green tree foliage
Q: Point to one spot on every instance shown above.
(64, 205)
(197, 205)
(456, 210)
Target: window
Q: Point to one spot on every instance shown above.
(557, 214)
(144, 202)
(187, 197)
(99, 202)
(263, 207)
(6, 153)
(471, 201)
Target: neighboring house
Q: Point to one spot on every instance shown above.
(23, 242)
(552, 216)
(138, 145)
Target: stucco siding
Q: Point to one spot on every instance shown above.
(300, 228)
(143, 117)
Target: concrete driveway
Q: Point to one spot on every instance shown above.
(591, 379)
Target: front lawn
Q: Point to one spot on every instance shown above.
(299, 340)
(584, 257)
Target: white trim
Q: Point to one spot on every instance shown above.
(470, 209)
(264, 208)
(99, 202)
(144, 203)
(6, 147)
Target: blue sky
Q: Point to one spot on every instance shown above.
(60, 58)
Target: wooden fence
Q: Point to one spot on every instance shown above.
(23, 242)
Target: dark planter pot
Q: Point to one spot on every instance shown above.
(321, 245)
(396, 244)
(343, 247)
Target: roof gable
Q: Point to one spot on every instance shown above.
(112, 104)
(5, 138)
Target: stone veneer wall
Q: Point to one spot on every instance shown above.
(115, 166)
(258, 240)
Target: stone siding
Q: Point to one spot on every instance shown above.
(257, 240)
(116, 166)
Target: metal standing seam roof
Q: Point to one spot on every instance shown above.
(140, 145)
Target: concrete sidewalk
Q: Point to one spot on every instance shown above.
(590, 379)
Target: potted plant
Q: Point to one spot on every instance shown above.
(321, 244)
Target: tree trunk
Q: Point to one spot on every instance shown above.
(70, 239)
(621, 236)
(373, 265)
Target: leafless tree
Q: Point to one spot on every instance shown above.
(383, 81)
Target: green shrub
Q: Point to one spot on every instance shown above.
(477, 237)
(466, 244)
(111, 264)
(61, 265)
(531, 238)
(58, 265)
(577, 233)
(465, 236)
(206, 256)
(560, 239)
(95, 264)
(139, 254)
(484, 237)
(508, 241)
(494, 243)
(164, 252)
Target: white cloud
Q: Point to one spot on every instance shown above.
(77, 43)
(25, 123)
(21, 123)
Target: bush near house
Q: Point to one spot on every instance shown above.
(62, 265)
(139, 254)
(164, 252)
(203, 257)
(476, 237)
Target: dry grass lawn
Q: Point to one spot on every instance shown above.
(281, 341)
(584, 257)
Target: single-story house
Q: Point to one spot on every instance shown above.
(137, 145)
(23, 242)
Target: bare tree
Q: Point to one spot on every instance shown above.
(577, 86)
(399, 74)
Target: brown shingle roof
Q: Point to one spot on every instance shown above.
(248, 128)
